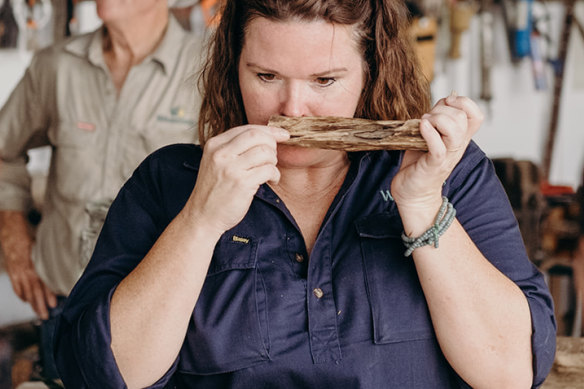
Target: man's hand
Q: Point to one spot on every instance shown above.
(16, 244)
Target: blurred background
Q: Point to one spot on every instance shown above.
(521, 60)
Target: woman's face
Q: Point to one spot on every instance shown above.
(298, 68)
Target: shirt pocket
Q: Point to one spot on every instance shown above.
(227, 332)
(398, 306)
(140, 142)
(73, 160)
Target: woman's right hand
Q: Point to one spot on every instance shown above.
(234, 165)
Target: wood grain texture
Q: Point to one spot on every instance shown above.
(350, 134)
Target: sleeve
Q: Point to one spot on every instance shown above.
(484, 211)
(23, 125)
(82, 341)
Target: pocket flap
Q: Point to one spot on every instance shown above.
(380, 226)
(233, 251)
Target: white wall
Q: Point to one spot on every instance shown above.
(518, 118)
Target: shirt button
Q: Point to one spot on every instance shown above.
(318, 293)
(299, 258)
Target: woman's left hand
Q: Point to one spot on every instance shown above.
(447, 129)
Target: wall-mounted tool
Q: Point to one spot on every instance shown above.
(541, 43)
(461, 13)
(558, 84)
(424, 29)
(487, 51)
(519, 21)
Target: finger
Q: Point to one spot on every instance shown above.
(443, 101)
(265, 173)
(17, 287)
(27, 289)
(468, 106)
(242, 153)
(436, 146)
(50, 297)
(257, 136)
(229, 136)
(446, 109)
(257, 156)
(280, 134)
(38, 303)
(445, 124)
(226, 154)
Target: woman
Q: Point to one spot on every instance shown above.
(255, 264)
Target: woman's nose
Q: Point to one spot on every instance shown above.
(293, 100)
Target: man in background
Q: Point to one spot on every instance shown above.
(102, 101)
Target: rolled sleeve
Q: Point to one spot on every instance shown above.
(488, 218)
(77, 336)
(83, 351)
(543, 338)
(15, 186)
(23, 125)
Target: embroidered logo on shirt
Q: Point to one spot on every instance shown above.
(85, 126)
(177, 111)
(177, 115)
(240, 239)
(386, 194)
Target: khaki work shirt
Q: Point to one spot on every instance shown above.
(67, 100)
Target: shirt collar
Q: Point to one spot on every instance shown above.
(166, 53)
(90, 46)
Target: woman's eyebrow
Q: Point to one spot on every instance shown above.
(330, 71)
(319, 74)
(263, 69)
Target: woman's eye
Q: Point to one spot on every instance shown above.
(325, 81)
(266, 76)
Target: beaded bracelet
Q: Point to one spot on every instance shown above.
(443, 220)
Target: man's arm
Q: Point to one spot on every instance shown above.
(24, 120)
(16, 242)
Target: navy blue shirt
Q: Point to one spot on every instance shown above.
(353, 316)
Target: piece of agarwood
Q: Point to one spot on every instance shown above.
(350, 134)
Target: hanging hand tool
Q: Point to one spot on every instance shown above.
(540, 43)
(461, 13)
(538, 62)
(487, 49)
(523, 27)
(558, 81)
(518, 19)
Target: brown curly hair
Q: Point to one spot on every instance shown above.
(395, 87)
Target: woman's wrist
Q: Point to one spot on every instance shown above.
(418, 215)
(198, 227)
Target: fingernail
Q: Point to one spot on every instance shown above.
(452, 97)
